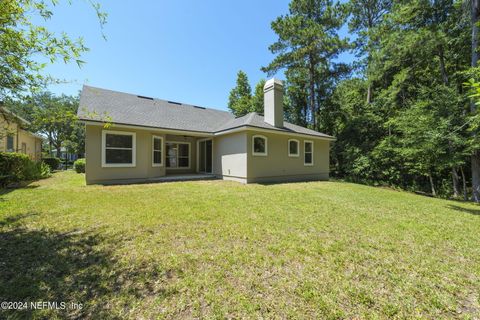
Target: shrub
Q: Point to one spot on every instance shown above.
(12, 166)
(52, 162)
(79, 165)
(15, 167)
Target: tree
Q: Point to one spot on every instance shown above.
(56, 118)
(257, 98)
(239, 101)
(413, 134)
(22, 43)
(475, 158)
(308, 40)
(365, 16)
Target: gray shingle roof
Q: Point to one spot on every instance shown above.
(122, 108)
(256, 120)
(118, 107)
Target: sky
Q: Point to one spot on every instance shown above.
(187, 51)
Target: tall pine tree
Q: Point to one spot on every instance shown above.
(308, 41)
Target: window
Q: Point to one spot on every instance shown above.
(293, 148)
(118, 149)
(259, 145)
(308, 153)
(178, 155)
(10, 143)
(157, 151)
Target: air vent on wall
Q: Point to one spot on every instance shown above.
(143, 97)
(199, 107)
(173, 102)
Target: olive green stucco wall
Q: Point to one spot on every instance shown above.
(278, 165)
(232, 158)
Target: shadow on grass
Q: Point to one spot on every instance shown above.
(78, 267)
(466, 210)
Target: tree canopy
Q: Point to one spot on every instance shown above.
(26, 48)
(400, 111)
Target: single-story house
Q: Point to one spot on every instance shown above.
(131, 137)
(15, 136)
(64, 154)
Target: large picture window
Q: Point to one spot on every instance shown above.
(293, 148)
(259, 145)
(157, 151)
(178, 155)
(308, 153)
(118, 149)
(10, 147)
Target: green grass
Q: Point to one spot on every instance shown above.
(216, 249)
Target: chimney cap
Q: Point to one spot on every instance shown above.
(272, 82)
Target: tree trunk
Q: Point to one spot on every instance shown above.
(312, 91)
(464, 183)
(475, 158)
(434, 193)
(455, 183)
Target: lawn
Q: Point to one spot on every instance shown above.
(217, 249)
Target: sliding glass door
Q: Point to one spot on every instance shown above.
(205, 156)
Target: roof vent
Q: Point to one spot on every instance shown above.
(173, 102)
(199, 107)
(143, 97)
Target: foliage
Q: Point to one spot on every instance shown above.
(241, 101)
(26, 47)
(79, 165)
(16, 167)
(52, 162)
(401, 115)
(56, 118)
(295, 250)
(308, 43)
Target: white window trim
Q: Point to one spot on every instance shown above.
(296, 155)
(104, 149)
(189, 155)
(304, 143)
(262, 154)
(161, 150)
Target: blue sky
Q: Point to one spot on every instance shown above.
(188, 51)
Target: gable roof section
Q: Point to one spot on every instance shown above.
(123, 108)
(255, 120)
(101, 105)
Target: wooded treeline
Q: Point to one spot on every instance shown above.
(401, 111)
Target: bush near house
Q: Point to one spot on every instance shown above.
(79, 165)
(15, 167)
(52, 162)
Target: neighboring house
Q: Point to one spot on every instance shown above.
(148, 138)
(14, 137)
(64, 154)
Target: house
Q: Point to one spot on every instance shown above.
(64, 154)
(133, 138)
(14, 136)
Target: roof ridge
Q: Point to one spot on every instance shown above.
(251, 117)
